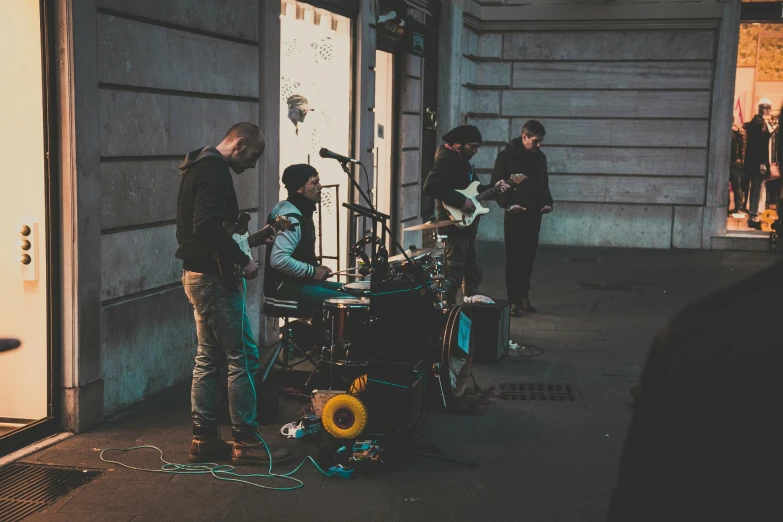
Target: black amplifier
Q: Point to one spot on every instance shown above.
(489, 329)
(393, 394)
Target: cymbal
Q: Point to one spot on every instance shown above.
(413, 254)
(431, 224)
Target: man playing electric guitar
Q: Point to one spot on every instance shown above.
(452, 171)
(206, 202)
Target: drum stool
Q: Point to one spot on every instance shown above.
(286, 344)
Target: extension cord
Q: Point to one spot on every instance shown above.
(224, 471)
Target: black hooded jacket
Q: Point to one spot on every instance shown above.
(206, 200)
(450, 173)
(757, 149)
(533, 193)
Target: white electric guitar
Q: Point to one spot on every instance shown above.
(463, 219)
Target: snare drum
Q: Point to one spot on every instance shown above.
(347, 331)
(358, 288)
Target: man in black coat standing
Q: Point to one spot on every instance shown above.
(453, 171)
(524, 204)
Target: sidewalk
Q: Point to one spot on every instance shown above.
(538, 461)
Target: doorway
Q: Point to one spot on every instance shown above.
(26, 408)
(316, 79)
(384, 134)
(758, 98)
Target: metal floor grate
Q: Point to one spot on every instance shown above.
(539, 391)
(26, 488)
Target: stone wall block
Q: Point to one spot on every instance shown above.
(490, 45)
(145, 55)
(137, 260)
(485, 102)
(410, 166)
(485, 159)
(493, 74)
(411, 95)
(140, 192)
(687, 230)
(144, 124)
(411, 131)
(413, 65)
(144, 351)
(240, 21)
(493, 130)
(610, 45)
(410, 201)
(595, 224)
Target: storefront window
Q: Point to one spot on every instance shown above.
(315, 111)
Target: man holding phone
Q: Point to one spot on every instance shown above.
(525, 204)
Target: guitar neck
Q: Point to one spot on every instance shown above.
(488, 194)
(260, 236)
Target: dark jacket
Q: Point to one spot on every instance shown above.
(300, 210)
(449, 174)
(737, 147)
(757, 150)
(533, 193)
(206, 200)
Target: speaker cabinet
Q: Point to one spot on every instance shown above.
(490, 331)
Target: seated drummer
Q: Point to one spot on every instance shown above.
(293, 279)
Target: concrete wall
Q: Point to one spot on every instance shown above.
(624, 90)
(173, 77)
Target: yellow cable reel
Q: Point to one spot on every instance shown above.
(344, 416)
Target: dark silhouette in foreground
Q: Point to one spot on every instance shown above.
(706, 438)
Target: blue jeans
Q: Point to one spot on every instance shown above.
(224, 331)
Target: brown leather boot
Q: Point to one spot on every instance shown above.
(248, 450)
(208, 445)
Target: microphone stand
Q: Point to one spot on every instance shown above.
(379, 217)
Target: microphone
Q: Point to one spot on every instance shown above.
(326, 153)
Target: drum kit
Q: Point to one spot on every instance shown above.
(392, 333)
(347, 342)
(346, 332)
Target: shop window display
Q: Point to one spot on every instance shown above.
(315, 109)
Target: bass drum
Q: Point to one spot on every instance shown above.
(455, 365)
(347, 332)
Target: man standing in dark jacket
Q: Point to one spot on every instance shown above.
(453, 171)
(735, 169)
(525, 203)
(206, 200)
(757, 159)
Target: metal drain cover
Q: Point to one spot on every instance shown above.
(539, 391)
(26, 488)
